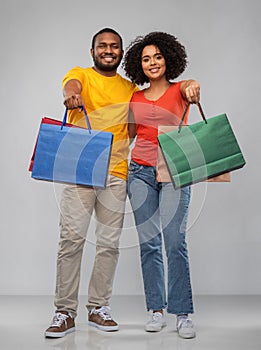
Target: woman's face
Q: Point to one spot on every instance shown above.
(153, 63)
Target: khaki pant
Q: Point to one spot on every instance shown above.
(77, 206)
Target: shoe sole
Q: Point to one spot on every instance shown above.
(59, 334)
(148, 329)
(104, 328)
(187, 336)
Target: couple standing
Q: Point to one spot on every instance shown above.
(160, 211)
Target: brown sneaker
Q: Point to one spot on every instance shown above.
(61, 325)
(101, 319)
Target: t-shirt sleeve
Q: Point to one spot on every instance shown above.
(134, 99)
(74, 73)
(136, 88)
(136, 96)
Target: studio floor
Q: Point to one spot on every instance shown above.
(222, 323)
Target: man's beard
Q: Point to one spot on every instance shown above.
(105, 67)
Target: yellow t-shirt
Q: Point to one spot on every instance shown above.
(106, 100)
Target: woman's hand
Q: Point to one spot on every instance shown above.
(190, 90)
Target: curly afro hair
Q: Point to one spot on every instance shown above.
(173, 52)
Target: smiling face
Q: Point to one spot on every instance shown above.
(107, 53)
(153, 63)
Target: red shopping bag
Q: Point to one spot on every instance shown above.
(46, 120)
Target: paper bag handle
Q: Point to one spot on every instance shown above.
(185, 112)
(85, 114)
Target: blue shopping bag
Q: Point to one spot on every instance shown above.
(72, 155)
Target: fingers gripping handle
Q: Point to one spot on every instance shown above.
(86, 118)
(185, 112)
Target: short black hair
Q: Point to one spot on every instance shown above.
(107, 30)
(172, 50)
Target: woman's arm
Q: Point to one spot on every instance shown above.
(131, 126)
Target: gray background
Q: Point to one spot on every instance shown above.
(40, 41)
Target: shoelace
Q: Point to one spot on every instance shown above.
(104, 312)
(156, 316)
(185, 322)
(59, 319)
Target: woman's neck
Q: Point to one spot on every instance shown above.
(156, 89)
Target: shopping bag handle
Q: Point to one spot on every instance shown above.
(185, 112)
(85, 114)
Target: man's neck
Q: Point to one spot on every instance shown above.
(105, 73)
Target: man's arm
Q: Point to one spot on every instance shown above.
(190, 90)
(72, 94)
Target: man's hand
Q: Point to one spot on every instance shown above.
(72, 94)
(73, 101)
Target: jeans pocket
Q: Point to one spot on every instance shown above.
(134, 167)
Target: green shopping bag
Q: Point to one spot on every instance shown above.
(200, 151)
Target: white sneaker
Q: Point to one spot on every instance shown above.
(156, 322)
(185, 327)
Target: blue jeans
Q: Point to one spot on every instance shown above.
(161, 213)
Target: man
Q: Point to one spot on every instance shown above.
(105, 95)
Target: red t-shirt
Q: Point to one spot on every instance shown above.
(149, 115)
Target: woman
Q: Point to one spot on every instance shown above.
(160, 211)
